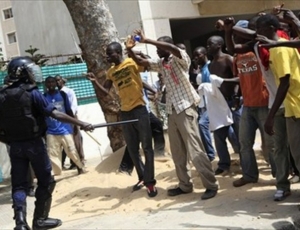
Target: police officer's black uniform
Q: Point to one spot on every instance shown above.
(22, 125)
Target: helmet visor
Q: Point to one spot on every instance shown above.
(35, 72)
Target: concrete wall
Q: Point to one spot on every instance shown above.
(47, 26)
(91, 113)
(126, 15)
(8, 26)
(235, 7)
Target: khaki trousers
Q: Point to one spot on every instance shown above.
(186, 145)
(55, 143)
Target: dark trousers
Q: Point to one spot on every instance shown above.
(159, 144)
(136, 133)
(21, 154)
(157, 134)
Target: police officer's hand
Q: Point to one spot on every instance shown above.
(87, 126)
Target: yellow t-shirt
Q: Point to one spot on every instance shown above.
(126, 79)
(283, 61)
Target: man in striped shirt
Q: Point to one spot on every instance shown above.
(181, 105)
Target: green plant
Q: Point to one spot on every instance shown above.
(39, 59)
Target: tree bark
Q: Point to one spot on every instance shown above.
(96, 29)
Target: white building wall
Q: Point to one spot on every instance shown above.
(7, 26)
(156, 15)
(46, 25)
(126, 15)
(168, 9)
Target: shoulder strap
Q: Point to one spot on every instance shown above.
(64, 96)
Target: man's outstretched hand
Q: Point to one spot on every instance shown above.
(141, 34)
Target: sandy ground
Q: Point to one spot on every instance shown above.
(103, 199)
(104, 191)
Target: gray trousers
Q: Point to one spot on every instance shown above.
(281, 151)
(293, 133)
(186, 145)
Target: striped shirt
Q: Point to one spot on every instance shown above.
(180, 92)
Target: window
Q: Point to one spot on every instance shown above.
(7, 13)
(12, 38)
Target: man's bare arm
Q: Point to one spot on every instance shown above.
(105, 88)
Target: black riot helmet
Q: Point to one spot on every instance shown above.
(24, 68)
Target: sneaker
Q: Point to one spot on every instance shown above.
(151, 190)
(176, 191)
(138, 186)
(209, 193)
(294, 179)
(241, 182)
(281, 195)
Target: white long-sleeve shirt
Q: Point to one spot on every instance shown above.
(218, 110)
(72, 98)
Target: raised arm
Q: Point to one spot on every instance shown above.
(291, 44)
(139, 59)
(231, 30)
(292, 18)
(159, 44)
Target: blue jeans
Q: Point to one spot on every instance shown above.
(205, 133)
(233, 136)
(234, 140)
(21, 154)
(230, 132)
(252, 119)
(136, 133)
(220, 136)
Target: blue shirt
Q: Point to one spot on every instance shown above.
(56, 127)
(41, 104)
(205, 73)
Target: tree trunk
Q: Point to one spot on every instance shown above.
(95, 28)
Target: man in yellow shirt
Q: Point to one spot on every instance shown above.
(125, 76)
(285, 65)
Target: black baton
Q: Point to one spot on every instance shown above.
(114, 123)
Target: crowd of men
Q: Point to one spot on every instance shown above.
(231, 87)
(250, 84)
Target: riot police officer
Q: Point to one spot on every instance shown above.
(22, 125)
